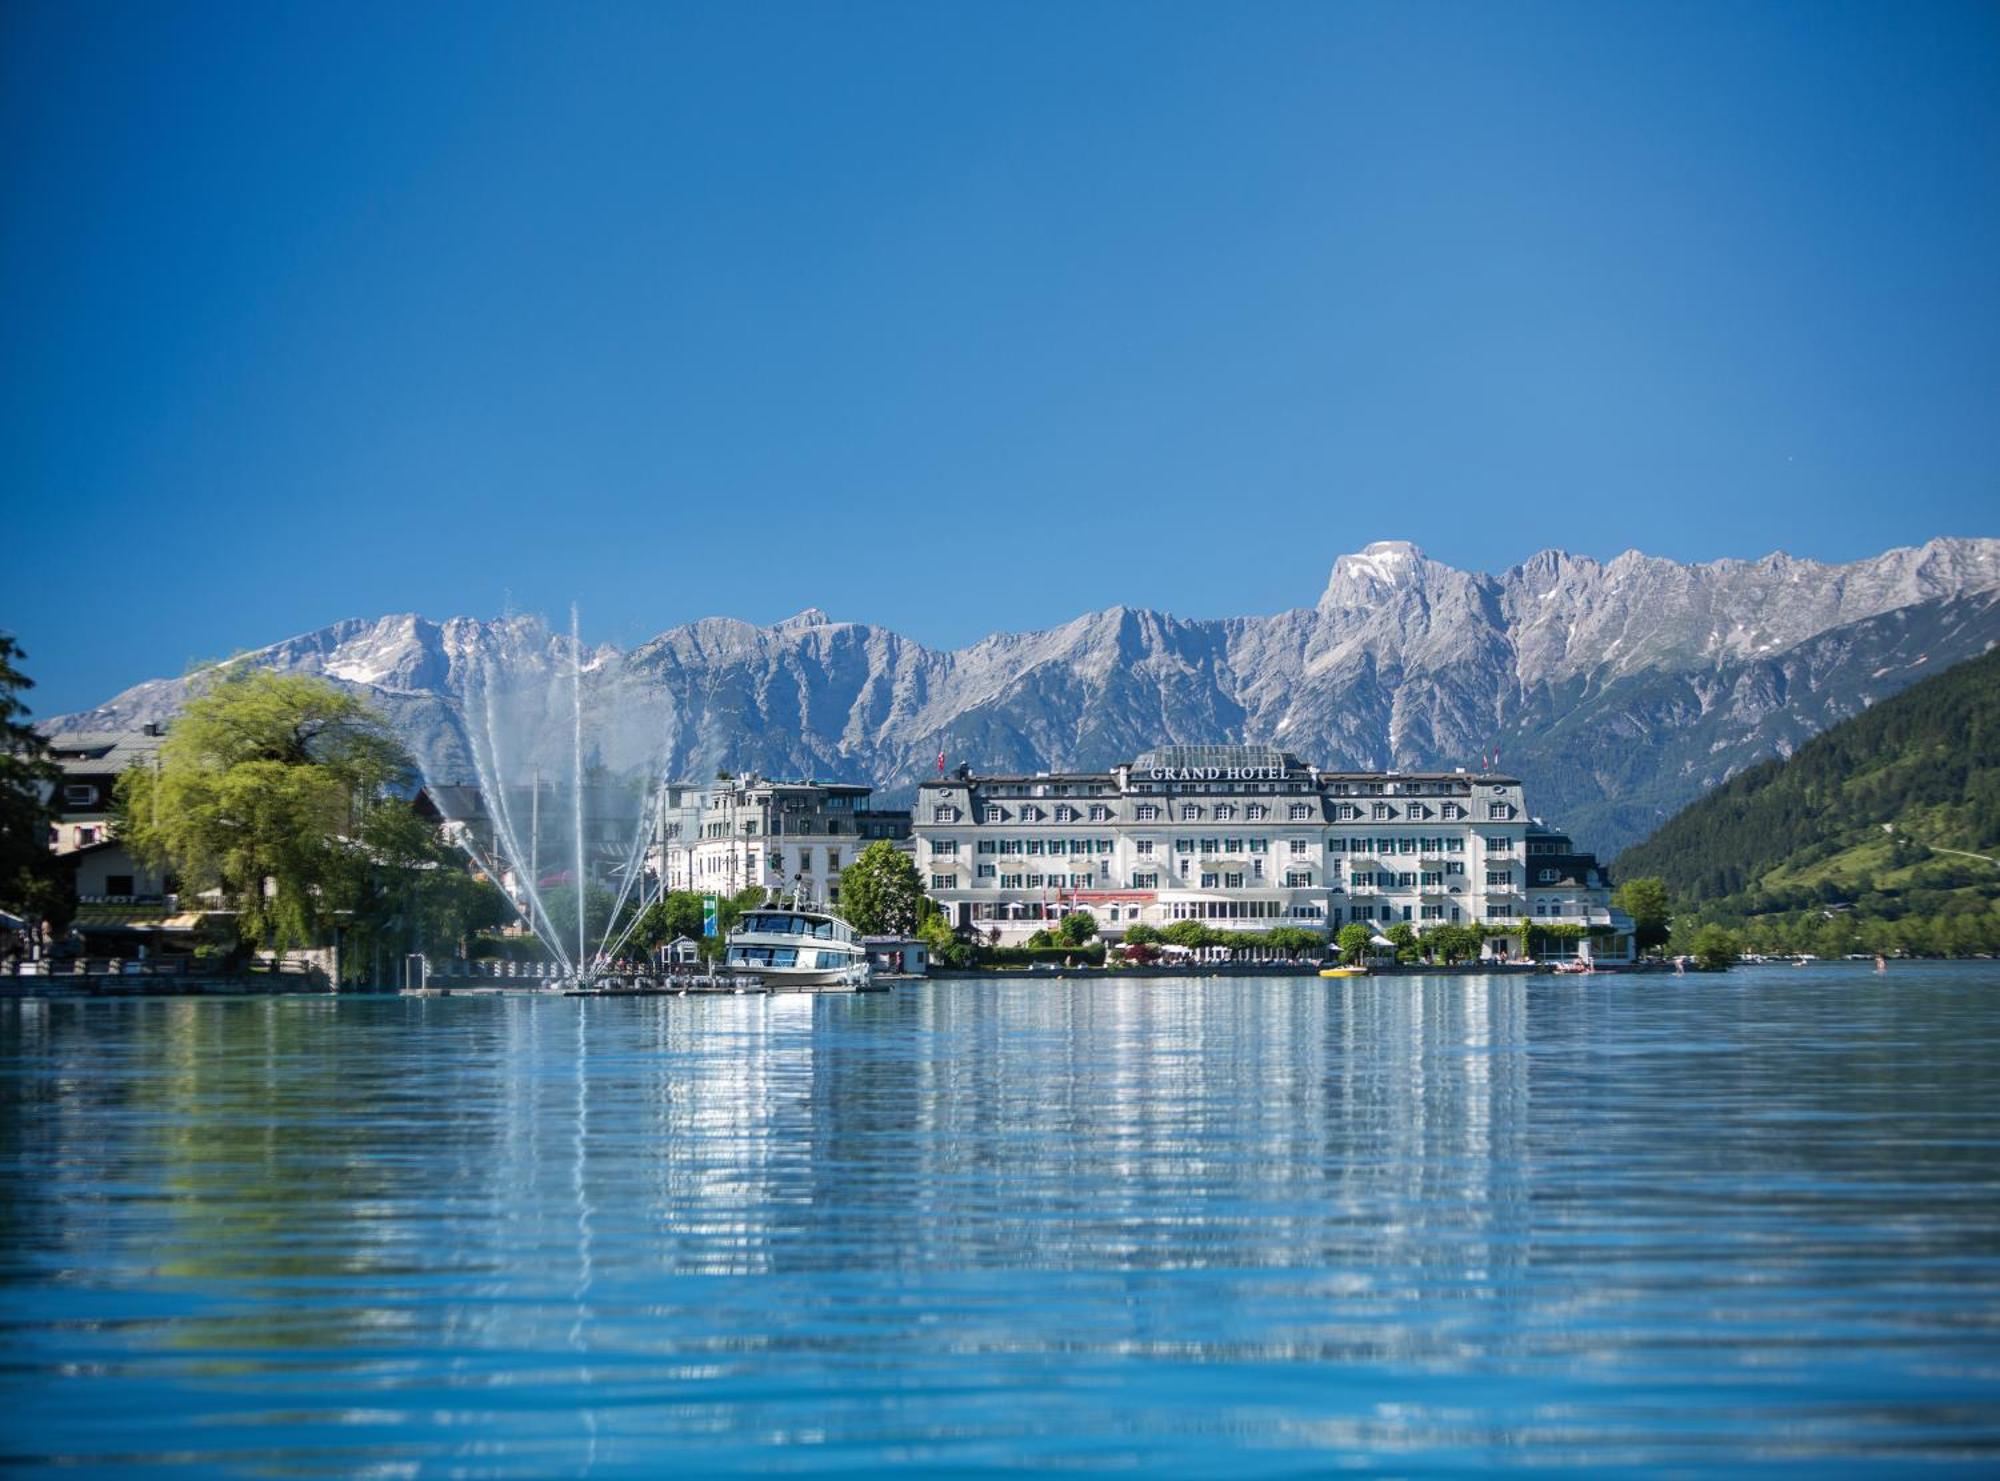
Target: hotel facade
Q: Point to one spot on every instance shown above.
(791, 837)
(1247, 837)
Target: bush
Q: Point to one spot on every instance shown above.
(1076, 928)
(1716, 949)
(1027, 956)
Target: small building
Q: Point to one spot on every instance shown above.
(749, 831)
(682, 951)
(903, 956)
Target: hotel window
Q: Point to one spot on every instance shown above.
(1233, 881)
(1546, 876)
(1255, 811)
(833, 856)
(1189, 812)
(985, 871)
(1148, 813)
(1079, 881)
(1010, 881)
(1260, 845)
(1035, 881)
(1406, 881)
(988, 846)
(85, 837)
(1142, 846)
(1500, 845)
(995, 813)
(79, 795)
(944, 881)
(1384, 812)
(1432, 912)
(1065, 814)
(1362, 879)
(944, 815)
(1232, 845)
(1211, 846)
(1183, 845)
(1496, 810)
(1036, 845)
(1454, 866)
(1010, 845)
(1452, 810)
(939, 846)
(1499, 877)
(1208, 881)
(1225, 811)
(1030, 813)
(1145, 881)
(1301, 846)
(1099, 813)
(1432, 879)
(1300, 812)
(1256, 868)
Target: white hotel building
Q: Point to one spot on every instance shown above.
(1248, 837)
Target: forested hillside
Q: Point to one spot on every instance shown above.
(1882, 833)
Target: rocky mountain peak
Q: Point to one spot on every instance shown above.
(1375, 571)
(810, 617)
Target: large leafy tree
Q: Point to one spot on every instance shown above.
(31, 884)
(880, 893)
(267, 789)
(1645, 900)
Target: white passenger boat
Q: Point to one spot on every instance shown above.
(799, 948)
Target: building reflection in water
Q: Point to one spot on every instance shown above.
(574, 1227)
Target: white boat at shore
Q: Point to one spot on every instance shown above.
(798, 948)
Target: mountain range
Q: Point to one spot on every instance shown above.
(1619, 690)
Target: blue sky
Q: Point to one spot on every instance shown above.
(957, 317)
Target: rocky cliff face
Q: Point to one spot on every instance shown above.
(1619, 689)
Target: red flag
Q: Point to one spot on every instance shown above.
(940, 760)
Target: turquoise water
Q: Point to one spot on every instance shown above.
(1214, 1226)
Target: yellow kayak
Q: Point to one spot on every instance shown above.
(1343, 971)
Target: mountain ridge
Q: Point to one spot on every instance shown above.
(1583, 671)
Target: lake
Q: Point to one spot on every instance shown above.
(1199, 1225)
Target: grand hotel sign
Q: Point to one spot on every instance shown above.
(1217, 774)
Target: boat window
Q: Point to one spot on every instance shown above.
(784, 956)
(823, 930)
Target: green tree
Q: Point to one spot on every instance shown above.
(880, 894)
(675, 914)
(410, 891)
(1645, 900)
(264, 792)
(1716, 949)
(1354, 942)
(31, 883)
(1142, 934)
(1075, 928)
(598, 930)
(935, 931)
(1404, 936)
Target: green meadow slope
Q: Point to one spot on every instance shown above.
(1882, 833)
